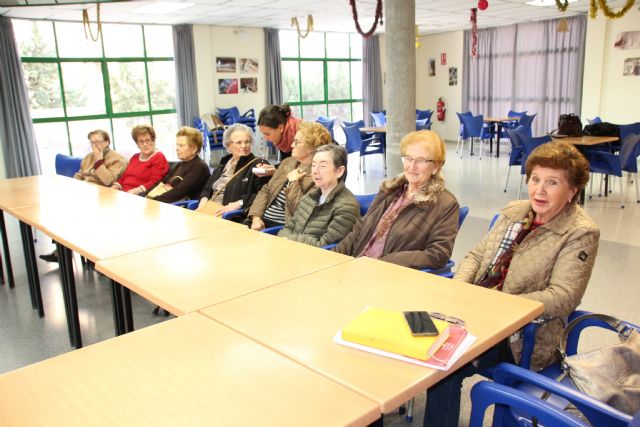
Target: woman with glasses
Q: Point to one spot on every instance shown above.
(102, 165)
(543, 249)
(233, 184)
(413, 221)
(328, 212)
(279, 198)
(146, 168)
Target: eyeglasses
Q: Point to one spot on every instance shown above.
(449, 319)
(296, 142)
(418, 161)
(146, 141)
(96, 142)
(247, 142)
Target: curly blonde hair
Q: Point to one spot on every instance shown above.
(315, 134)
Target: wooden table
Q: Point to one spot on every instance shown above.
(497, 123)
(378, 129)
(98, 223)
(186, 371)
(299, 319)
(587, 140)
(195, 274)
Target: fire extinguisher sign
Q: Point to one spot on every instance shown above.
(443, 59)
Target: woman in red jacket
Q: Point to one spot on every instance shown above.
(147, 167)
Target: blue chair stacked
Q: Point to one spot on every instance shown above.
(67, 165)
(212, 138)
(230, 116)
(365, 147)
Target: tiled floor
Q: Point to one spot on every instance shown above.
(476, 183)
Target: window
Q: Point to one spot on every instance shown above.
(322, 74)
(76, 85)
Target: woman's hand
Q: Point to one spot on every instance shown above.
(227, 208)
(295, 175)
(257, 223)
(268, 170)
(97, 153)
(116, 186)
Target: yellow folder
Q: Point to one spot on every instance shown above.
(388, 330)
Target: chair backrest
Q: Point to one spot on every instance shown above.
(229, 115)
(530, 144)
(379, 118)
(327, 123)
(357, 123)
(364, 200)
(626, 130)
(423, 114)
(629, 153)
(516, 135)
(354, 140)
(67, 165)
(462, 214)
(595, 120)
(472, 125)
(423, 124)
(526, 121)
(517, 114)
(463, 133)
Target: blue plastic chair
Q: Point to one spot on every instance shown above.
(447, 271)
(596, 120)
(473, 128)
(67, 165)
(327, 123)
(423, 124)
(273, 230)
(517, 151)
(365, 147)
(423, 114)
(528, 145)
(232, 115)
(516, 404)
(526, 121)
(379, 118)
(461, 135)
(364, 200)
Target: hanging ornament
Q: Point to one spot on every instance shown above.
(377, 20)
(593, 9)
(483, 4)
(562, 5)
(294, 23)
(474, 33)
(86, 24)
(563, 26)
(418, 44)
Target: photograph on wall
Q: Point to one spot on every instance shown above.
(227, 86)
(249, 85)
(225, 64)
(432, 66)
(248, 65)
(631, 67)
(628, 40)
(453, 76)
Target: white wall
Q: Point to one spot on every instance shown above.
(606, 92)
(241, 42)
(429, 89)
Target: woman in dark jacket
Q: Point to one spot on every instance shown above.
(413, 220)
(233, 184)
(187, 177)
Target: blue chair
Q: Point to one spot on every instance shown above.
(379, 118)
(493, 220)
(232, 115)
(517, 115)
(273, 230)
(528, 145)
(423, 114)
(365, 147)
(357, 123)
(423, 124)
(517, 151)
(473, 129)
(614, 164)
(213, 139)
(461, 135)
(327, 123)
(447, 271)
(67, 165)
(526, 121)
(516, 405)
(364, 200)
(595, 120)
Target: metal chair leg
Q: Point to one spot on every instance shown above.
(621, 194)
(591, 186)
(520, 188)
(507, 183)
(409, 415)
(637, 189)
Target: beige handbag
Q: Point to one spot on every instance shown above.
(158, 190)
(210, 208)
(610, 374)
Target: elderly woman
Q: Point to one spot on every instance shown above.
(543, 249)
(145, 168)
(279, 127)
(328, 212)
(102, 165)
(187, 177)
(232, 184)
(279, 198)
(413, 221)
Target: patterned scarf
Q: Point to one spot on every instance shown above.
(493, 278)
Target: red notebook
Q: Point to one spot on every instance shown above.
(442, 356)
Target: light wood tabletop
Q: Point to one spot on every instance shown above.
(186, 371)
(500, 119)
(379, 129)
(99, 222)
(300, 318)
(191, 275)
(586, 140)
(18, 192)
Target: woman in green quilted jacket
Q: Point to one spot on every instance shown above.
(328, 212)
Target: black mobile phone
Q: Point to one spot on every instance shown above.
(420, 324)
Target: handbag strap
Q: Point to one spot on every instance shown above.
(239, 171)
(616, 324)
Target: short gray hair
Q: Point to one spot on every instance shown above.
(238, 127)
(338, 155)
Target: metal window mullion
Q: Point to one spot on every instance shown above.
(300, 79)
(62, 95)
(146, 73)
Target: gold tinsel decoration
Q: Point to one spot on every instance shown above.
(562, 6)
(593, 9)
(294, 22)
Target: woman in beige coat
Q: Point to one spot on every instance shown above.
(543, 249)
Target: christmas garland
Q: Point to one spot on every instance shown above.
(377, 19)
(86, 24)
(593, 9)
(474, 33)
(563, 6)
(294, 22)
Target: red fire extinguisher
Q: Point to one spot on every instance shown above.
(440, 108)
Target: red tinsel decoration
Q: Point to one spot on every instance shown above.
(474, 33)
(377, 19)
(483, 4)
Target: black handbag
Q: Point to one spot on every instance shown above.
(569, 125)
(602, 129)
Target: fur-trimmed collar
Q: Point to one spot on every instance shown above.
(428, 194)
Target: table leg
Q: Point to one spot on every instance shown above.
(7, 255)
(69, 287)
(65, 297)
(378, 423)
(498, 128)
(32, 268)
(122, 312)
